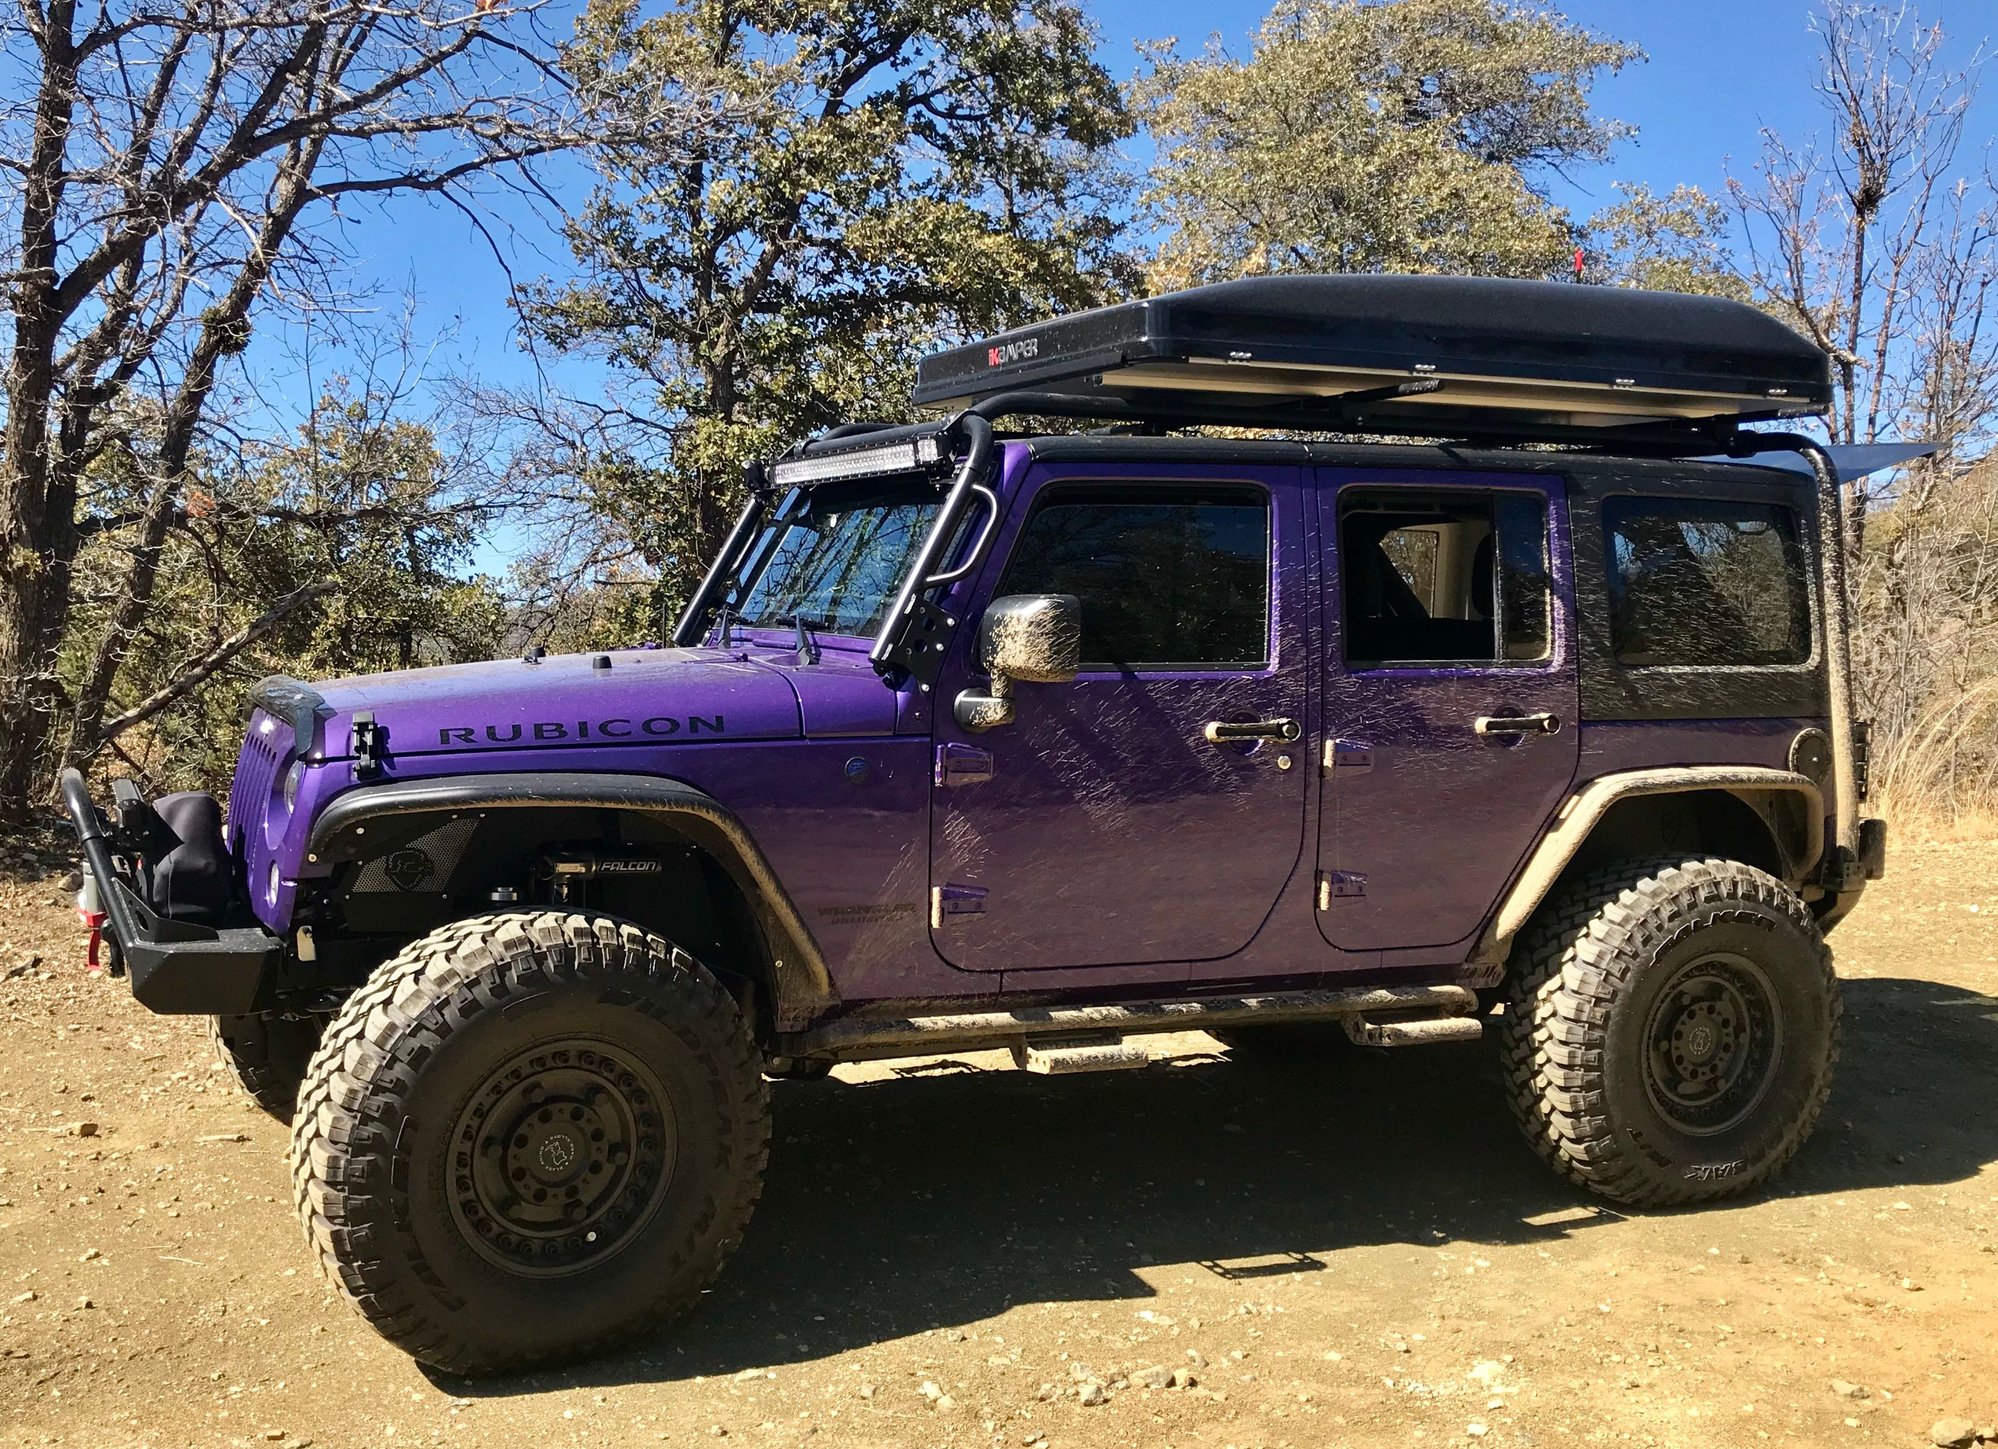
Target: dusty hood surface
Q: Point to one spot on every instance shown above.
(652, 696)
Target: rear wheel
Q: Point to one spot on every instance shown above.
(530, 1135)
(268, 1053)
(1672, 1030)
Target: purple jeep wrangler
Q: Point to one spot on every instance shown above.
(1208, 715)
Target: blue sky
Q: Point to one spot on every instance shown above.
(1719, 72)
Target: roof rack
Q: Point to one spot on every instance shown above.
(1414, 356)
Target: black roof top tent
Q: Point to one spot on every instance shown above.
(1416, 355)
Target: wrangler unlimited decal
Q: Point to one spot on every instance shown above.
(658, 727)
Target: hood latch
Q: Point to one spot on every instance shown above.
(367, 742)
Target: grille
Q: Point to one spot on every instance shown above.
(256, 768)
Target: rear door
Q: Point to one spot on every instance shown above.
(1450, 697)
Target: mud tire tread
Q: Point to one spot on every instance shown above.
(270, 1078)
(1571, 968)
(400, 1016)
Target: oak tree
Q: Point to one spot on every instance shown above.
(173, 171)
(887, 175)
(1356, 135)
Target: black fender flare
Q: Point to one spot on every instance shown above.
(802, 988)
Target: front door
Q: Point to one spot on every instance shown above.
(1450, 698)
(1102, 827)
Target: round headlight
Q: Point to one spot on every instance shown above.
(293, 778)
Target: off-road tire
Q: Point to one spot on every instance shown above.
(268, 1054)
(418, 1055)
(1584, 1037)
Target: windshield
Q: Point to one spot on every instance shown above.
(839, 558)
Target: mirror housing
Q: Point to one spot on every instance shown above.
(1035, 638)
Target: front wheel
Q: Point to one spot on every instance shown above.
(530, 1135)
(1672, 1030)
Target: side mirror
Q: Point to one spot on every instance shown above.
(1036, 638)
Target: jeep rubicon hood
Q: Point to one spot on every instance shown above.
(637, 695)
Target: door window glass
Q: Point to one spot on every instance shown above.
(1168, 577)
(1701, 581)
(1444, 576)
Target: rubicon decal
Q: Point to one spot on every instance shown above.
(541, 732)
(1019, 351)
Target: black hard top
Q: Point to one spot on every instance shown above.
(1374, 351)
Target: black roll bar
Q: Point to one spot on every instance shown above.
(1835, 609)
(910, 643)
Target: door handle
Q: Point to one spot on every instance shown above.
(1522, 724)
(1228, 732)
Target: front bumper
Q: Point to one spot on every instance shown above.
(176, 967)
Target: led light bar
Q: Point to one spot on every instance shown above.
(905, 457)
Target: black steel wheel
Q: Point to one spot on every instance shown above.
(561, 1156)
(1671, 1030)
(1712, 1044)
(530, 1135)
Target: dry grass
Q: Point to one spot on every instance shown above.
(1941, 776)
(1918, 823)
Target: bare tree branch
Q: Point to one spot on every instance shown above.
(177, 171)
(197, 670)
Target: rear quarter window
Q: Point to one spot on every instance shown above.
(1705, 582)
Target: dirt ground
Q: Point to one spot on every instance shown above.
(1357, 1250)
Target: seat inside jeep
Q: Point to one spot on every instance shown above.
(1419, 586)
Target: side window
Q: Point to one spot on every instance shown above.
(1705, 582)
(1444, 576)
(1169, 577)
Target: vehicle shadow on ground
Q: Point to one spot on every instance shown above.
(946, 1195)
